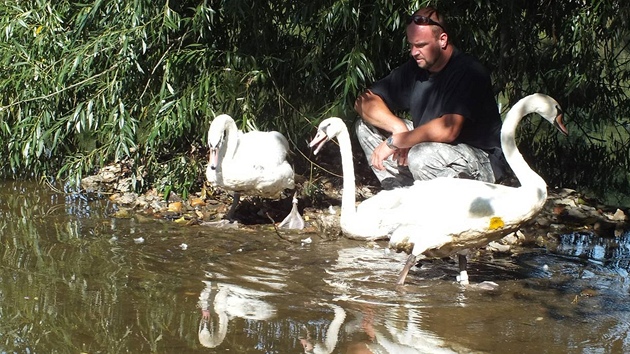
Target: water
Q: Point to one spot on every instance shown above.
(76, 280)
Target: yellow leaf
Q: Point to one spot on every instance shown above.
(180, 220)
(175, 207)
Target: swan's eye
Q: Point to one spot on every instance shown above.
(559, 110)
(324, 128)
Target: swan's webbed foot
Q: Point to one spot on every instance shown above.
(294, 220)
(411, 261)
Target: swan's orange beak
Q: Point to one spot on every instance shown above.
(320, 139)
(559, 124)
(213, 162)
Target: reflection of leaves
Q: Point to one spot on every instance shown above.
(64, 284)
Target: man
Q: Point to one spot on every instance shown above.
(455, 123)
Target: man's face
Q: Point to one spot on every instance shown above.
(425, 46)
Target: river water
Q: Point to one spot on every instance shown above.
(74, 279)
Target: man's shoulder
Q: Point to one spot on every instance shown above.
(462, 57)
(406, 72)
(467, 63)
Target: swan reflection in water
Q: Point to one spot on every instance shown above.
(221, 302)
(383, 319)
(329, 342)
(360, 316)
(394, 337)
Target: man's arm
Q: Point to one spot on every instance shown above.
(374, 111)
(444, 129)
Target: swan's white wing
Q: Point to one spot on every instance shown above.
(261, 148)
(452, 199)
(259, 166)
(472, 214)
(441, 200)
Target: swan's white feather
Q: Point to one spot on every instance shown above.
(439, 217)
(253, 163)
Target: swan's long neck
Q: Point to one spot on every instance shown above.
(348, 199)
(526, 176)
(211, 335)
(231, 139)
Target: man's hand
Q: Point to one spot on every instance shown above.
(382, 152)
(401, 156)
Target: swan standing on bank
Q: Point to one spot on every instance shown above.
(253, 163)
(444, 216)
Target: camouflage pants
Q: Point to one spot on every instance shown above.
(426, 160)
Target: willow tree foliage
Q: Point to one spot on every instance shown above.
(87, 83)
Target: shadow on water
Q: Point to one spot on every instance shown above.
(74, 279)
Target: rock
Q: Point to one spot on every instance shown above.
(565, 192)
(115, 177)
(510, 239)
(543, 222)
(126, 199)
(122, 213)
(578, 216)
(497, 247)
(157, 205)
(327, 224)
(619, 215)
(566, 202)
(124, 185)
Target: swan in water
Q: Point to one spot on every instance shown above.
(253, 163)
(444, 216)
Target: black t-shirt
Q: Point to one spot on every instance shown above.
(462, 87)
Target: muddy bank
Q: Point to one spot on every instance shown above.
(566, 211)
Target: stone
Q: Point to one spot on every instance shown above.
(619, 215)
(497, 247)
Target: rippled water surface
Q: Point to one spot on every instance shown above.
(76, 280)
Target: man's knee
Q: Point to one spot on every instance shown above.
(360, 128)
(425, 154)
(432, 160)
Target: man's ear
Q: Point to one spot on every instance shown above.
(443, 40)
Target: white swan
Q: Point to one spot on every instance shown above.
(443, 216)
(253, 163)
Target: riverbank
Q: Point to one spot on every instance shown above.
(566, 211)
